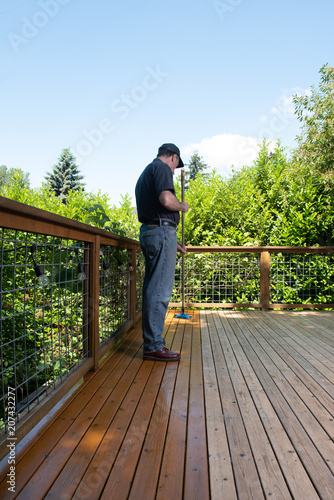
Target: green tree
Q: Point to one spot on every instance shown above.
(65, 176)
(86, 207)
(13, 176)
(315, 152)
(194, 167)
(125, 214)
(267, 203)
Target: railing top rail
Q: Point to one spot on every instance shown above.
(259, 249)
(10, 209)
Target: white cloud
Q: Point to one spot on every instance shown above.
(224, 150)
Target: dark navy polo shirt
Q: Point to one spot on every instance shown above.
(156, 177)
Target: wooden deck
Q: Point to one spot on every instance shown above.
(246, 414)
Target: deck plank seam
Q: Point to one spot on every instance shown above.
(231, 339)
(300, 425)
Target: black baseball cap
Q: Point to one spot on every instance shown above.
(174, 149)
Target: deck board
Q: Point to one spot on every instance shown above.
(196, 481)
(248, 413)
(170, 480)
(268, 469)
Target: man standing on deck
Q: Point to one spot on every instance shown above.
(158, 211)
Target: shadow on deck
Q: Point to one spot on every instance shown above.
(246, 413)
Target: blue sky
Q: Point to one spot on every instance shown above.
(114, 80)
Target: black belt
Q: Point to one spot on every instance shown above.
(162, 222)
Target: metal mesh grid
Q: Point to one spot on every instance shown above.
(140, 273)
(218, 278)
(302, 279)
(114, 291)
(43, 328)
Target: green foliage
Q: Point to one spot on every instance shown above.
(10, 177)
(235, 278)
(221, 277)
(42, 327)
(281, 199)
(41, 330)
(125, 213)
(65, 176)
(271, 202)
(95, 209)
(316, 142)
(98, 217)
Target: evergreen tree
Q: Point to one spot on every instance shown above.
(194, 167)
(65, 176)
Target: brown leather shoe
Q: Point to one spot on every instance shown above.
(163, 354)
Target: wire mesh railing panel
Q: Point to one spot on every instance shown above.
(140, 274)
(302, 279)
(218, 278)
(114, 291)
(44, 315)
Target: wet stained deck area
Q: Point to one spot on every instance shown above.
(247, 413)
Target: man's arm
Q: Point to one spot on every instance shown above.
(169, 201)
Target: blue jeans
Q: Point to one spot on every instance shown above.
(159, 246)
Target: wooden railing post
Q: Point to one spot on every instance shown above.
(94, 285)
(265, 280)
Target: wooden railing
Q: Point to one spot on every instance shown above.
(235, 277)
(276, 275)
(20, 226)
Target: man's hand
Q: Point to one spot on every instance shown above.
(185, 206)
(181, 248)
